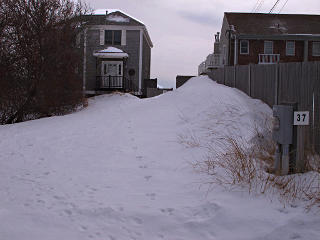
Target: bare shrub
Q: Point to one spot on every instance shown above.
(38, 58)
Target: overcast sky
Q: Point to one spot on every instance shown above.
(182, 31)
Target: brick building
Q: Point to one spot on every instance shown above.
(269, 38)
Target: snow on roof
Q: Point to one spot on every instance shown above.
(110, 52)
(117, 19)
(103, 12)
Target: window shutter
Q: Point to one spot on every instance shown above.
(101, 37)
(124, 37)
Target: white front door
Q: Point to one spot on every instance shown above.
(112, 74)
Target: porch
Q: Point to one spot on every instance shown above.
(113, 83)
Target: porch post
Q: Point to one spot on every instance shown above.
(306, 49)
(235, 50)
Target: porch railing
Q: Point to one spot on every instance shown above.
(114, 83)
(108, 82)
(269, 58)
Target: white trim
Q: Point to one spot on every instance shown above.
(102, 36)
(123, 37)
(84, 59)
(140, 60)
(244, 53)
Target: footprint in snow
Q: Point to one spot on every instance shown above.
(295, 236)
(167, 210)
(137, 220)
(147, 177)
(151, 195)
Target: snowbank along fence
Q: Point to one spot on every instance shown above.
(281, 83)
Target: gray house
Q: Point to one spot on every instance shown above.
(116, 51)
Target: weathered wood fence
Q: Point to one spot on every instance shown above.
(281, 83)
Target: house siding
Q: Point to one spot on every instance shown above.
(256, 47)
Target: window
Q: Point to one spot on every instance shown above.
(316, 49)
(244, 47)
(268, 47)
(113, 37)
(290, 48)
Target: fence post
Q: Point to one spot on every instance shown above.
(234, 75)
(276, 87)
(249, 79)
(301, 134)
(224, 75)
(313, 124)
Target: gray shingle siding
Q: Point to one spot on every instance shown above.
(132, 48)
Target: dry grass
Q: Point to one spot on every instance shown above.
(238, 166)
(189, 140)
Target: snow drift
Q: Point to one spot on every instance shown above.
(116, 170)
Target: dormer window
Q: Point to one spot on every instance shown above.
(112, 37)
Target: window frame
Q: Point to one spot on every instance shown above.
(316, 54)
(294, 48)
(248, 51)
(265, 52)
(112, 41)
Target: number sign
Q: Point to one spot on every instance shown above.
(301, 118)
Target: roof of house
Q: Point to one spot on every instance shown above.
(274, 24)
(117, 17)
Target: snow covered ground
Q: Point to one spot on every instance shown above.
(117, 170)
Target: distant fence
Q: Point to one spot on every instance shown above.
(281, 83)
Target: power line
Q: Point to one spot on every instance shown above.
(260, 5)
(274, 6)
(283, 6)
(255, 7)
